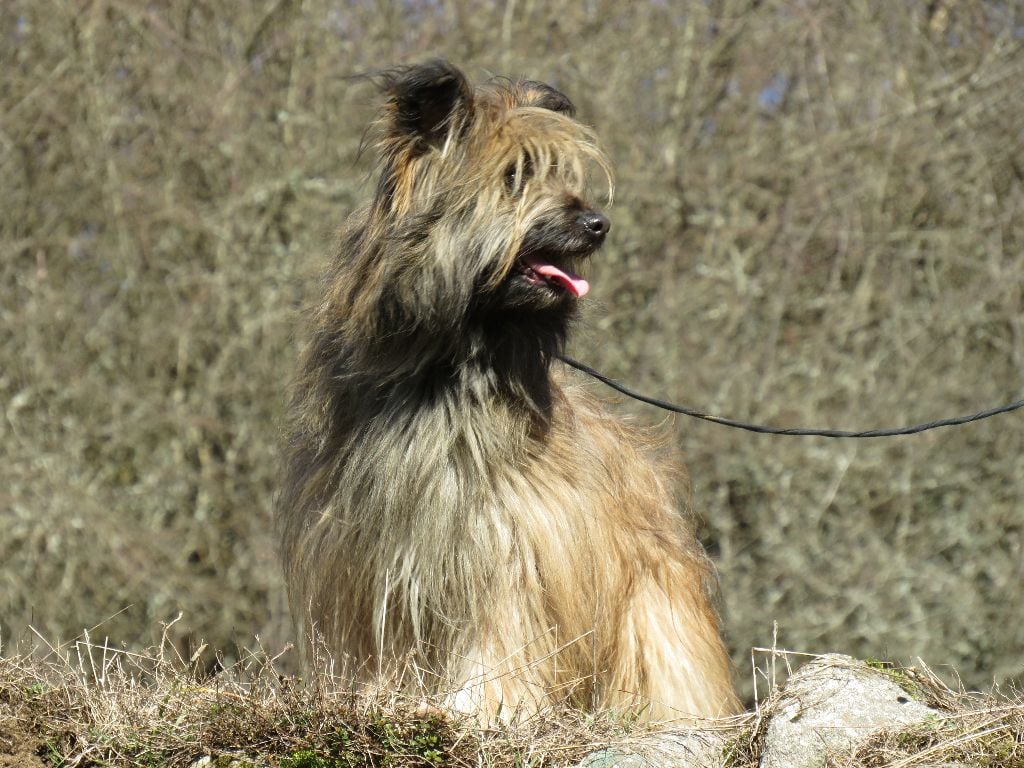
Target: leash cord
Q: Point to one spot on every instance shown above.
(762, 429)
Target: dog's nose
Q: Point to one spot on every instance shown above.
(595, 223)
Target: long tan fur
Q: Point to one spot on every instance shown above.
(455, 516)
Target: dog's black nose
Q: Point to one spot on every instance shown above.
(595, 223)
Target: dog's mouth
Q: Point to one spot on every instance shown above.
(541, 270)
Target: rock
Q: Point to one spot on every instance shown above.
(613, 758)
(829, 707)
(691, 748)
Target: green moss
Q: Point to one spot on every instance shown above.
(898, 676)
(878, 664)
(307, 758)
(1004, 751)
(422, 738)
(744, 746)
(52, 754)
(384, 741)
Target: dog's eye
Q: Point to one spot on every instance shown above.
(510, 178)
(517, 174)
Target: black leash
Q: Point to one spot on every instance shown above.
(912, 430)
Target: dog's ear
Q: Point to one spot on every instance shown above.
(537, 94)
(428, 101)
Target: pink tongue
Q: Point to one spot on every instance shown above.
(572, 282)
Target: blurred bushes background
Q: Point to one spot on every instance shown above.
(818, 222)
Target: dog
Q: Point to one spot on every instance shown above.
(457, 517)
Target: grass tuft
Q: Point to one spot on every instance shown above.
(87, 706)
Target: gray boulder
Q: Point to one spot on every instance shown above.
(832, 705)
(827, 708)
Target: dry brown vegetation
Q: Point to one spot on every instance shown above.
(88, 705)
(85, 705)
(819, 221)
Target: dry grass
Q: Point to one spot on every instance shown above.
(972, 729)
(967, 728)
(89, 705)
(991, 736)
(819, 221)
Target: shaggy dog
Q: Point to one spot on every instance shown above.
(456, 517)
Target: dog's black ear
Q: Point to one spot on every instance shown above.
(543, 95)
(429, 100)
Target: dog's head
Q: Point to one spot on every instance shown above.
(482, 193)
